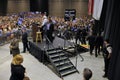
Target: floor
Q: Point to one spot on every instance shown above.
(37, 71)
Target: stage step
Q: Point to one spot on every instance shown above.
(57, 55)
(58, 59)
(53, 49)
(67, 72)
(70, 50)
(69, 47)
(65, 67)
(61, 62)
(54, 52)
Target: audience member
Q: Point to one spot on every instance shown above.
(91, 42)
(1, 34)
(14, 47)
(25, 40)
(98, 44)
(78, 35)
(87, 74)
(107, 51)
(17, 69)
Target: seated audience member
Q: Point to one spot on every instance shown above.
(87, 74)
(17, 69)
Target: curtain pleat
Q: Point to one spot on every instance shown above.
(112, 32)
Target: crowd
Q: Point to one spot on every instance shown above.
(12, 24)
(16, 27)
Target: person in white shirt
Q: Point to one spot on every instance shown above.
(107, 56)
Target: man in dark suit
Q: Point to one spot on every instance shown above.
(50, 29)
(84, 34)
(91, 42)
(78, 35)
(25, 40)
(98, 45)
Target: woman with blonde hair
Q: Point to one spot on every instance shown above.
(17, 69)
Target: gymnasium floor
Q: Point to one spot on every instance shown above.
(37, 71)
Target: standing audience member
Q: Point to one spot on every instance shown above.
(19, 33)
(1, 34)
(98, 45)
(107, 55)
(84, 34)
(87, 74)
(78, 35)
(17, 69)
(25, 40)
(91, 42)
(14, 47)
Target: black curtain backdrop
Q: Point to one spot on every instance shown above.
(3, 7)
(39, 5)
(112, 32)
(103, 16)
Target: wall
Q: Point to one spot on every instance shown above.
(39, 5)
(16, 6)
(3, 4)
(57, 7)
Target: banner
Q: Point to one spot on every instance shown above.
(90, 7)
(70, 14)
(97, 9)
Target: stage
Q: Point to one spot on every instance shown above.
(57, 42)
(38, 50)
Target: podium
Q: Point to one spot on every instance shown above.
(35, 29)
